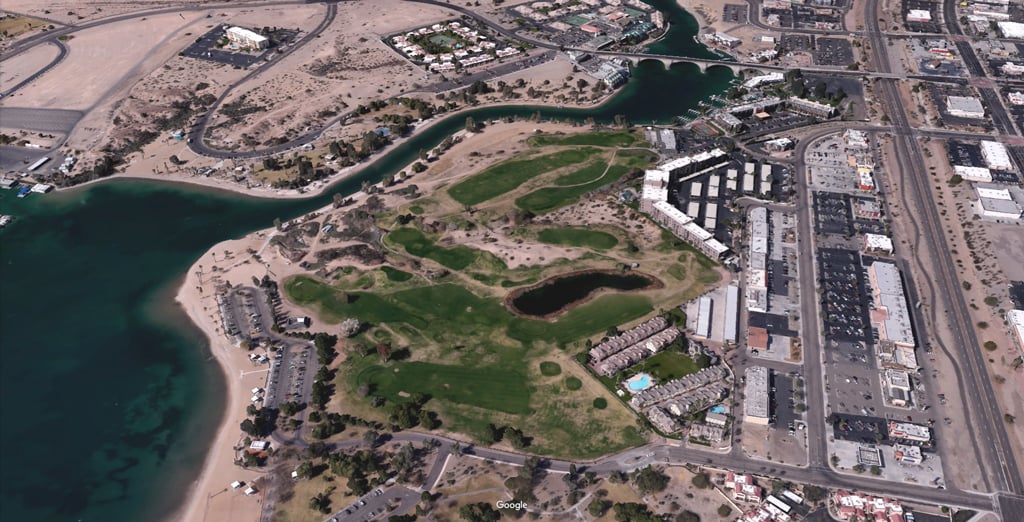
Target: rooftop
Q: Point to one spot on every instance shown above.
(756, 392)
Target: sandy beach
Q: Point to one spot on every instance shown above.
(210, 497)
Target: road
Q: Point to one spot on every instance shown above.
(989, 433)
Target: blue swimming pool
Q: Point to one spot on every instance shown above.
(718, 409)
(639, 382)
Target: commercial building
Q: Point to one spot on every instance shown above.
(1012, 69)
(981, 174)
(907, 454)
(732, 305)
(996, 204)
(865, 181)
(1016, 320)
(856, 139)
(813, 108)
(756, 394)
(704, 317)
(890, 314)
(247, 39)
(996, 156)
(897, 386)
(919, 15)
(964, 107)
(778, 145)
(910, 432)
(877, 243)
(1011, 29)
(1016, 97)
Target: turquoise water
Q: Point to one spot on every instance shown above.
(639, 382)
(719, 409)
(110, 397)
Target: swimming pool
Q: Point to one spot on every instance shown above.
(639, 382)
(718, 409)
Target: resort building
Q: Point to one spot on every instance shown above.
(766, 79)
(246, 39)
(756, 395)
(637, 352)
(628, 338)
(743, 487)
(678, 387)
(866, 507)
(811, 107)
(662, 420)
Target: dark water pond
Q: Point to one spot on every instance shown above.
(559, 293)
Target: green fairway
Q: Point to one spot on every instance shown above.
(578, 237)
(547, 199)
(587, 174)
(493, 388)
(417, 244)
(503, 177)
(588, 319)
(667, 365)
(597, 139)
(550, 369)
(396, 275)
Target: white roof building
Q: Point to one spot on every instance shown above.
(907, 431)
(965, 107)
(755, 403)
(1016, 97)
(878, 243)
(246, 38)
(996, 156)
(1011, 29)
(890, 315)
(1016, 320)
(997, 204)
(919, 15)
(973, 173)
(766, 79)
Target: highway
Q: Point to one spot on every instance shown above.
(989, 433)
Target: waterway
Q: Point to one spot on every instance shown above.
(110, 397)
(570, 289)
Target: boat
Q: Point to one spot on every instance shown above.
(5, 220)
(24, 191)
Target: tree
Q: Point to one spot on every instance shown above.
(724, 510)
(471, 125)
(388, 180)
(320, 502)
(336, 149)
(634, 512)
(597, 507)
(687, 516)
(305, 470)
(814, 493)
(339, 200)
(650, 480)
(516, 438)
(493, 433)
(277, 224)
(370, 438)
(384, 351)
(479, 512)
(700, 481)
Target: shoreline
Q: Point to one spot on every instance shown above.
(218, 469)
(324, 185)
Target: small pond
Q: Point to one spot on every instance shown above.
(560, 293)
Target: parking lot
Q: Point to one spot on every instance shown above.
(832, 213)
(833, 51)
(205, 48)
(734, 13)
(845, 298)
(289, 379)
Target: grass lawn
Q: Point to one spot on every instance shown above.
(417, 244)
(597, 139)
(667, 365)
(578, 237)
(547, 199)
(491, 387)
(396, 275)
(506, 176)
